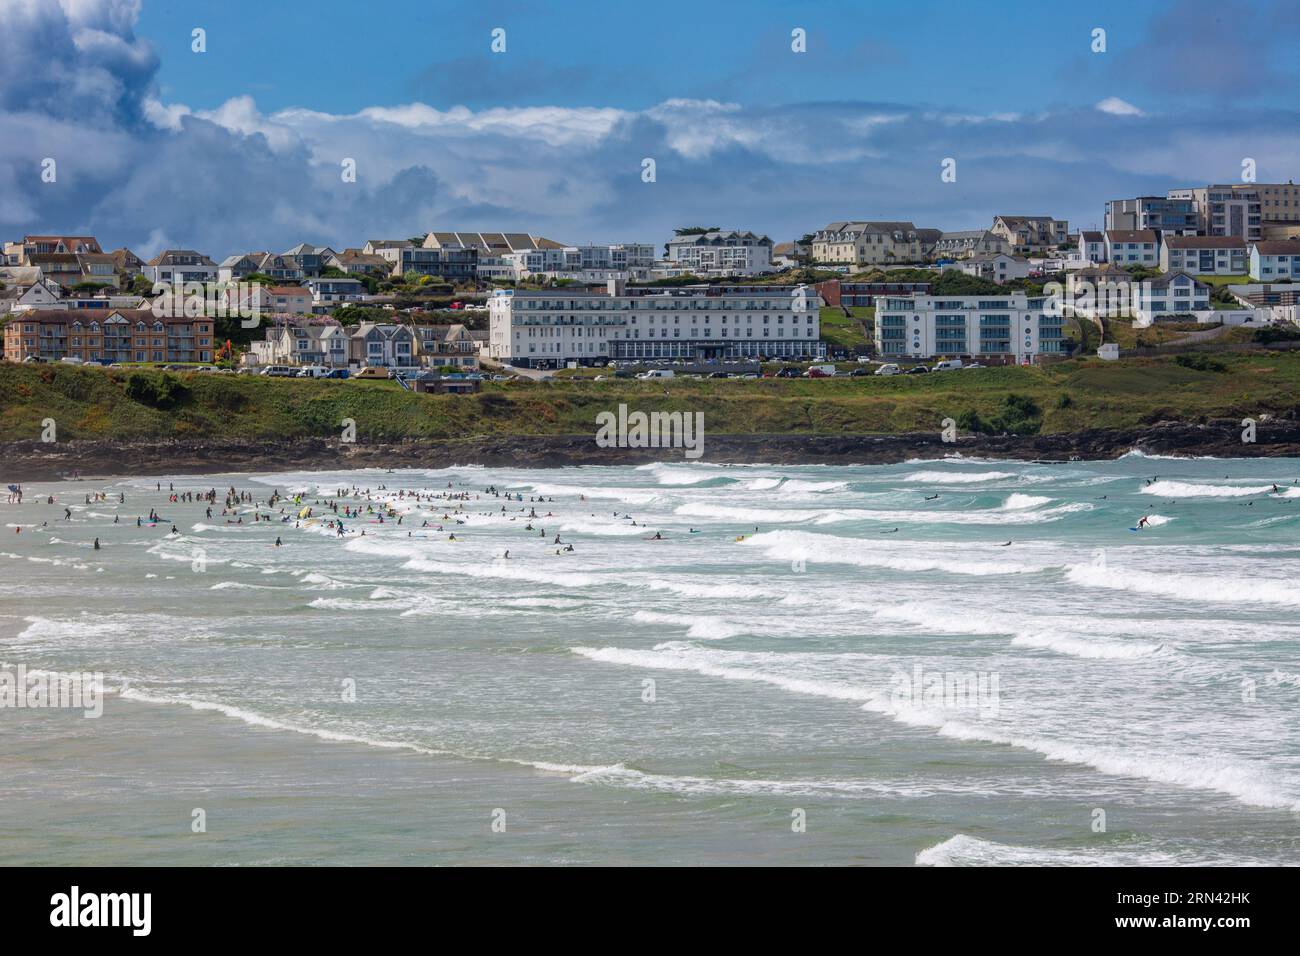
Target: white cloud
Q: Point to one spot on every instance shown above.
(1117, 107)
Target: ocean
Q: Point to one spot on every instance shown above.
(954, 662)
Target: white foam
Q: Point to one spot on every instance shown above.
(1017, 502)
(962, 850)
(1187, 587)
(1185, 489)
(955, 477)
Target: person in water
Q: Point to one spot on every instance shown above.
(278, 542)
(1146, 520)
(657, 537)
(96, 544)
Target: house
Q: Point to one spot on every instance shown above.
(20, 253)
(237, 267)
(108, 335)
(356, 262)
(309, 260)
(868, 243)
(97, 267)
(1012, 327)
(1204, 255)
(1026, 234)
(1275, 259)
(290, 299)
(998, 267)
(292, 340)
(334, 291)
(1099, 291)
(837, 292)
(721, 252)
(127, 262)
(441, 345)
(1167, 295)
(1132, 247)
(60, 267)
(176, 266)
(382, 344)
(1092, 246)
(967, 243)
(24, 297)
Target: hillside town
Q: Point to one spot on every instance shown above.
(437, 307)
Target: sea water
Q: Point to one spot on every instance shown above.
(950, 662)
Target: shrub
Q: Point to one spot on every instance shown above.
(1200, 363)
(156, 391)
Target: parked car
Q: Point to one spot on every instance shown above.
(889, 369)
(917, 370)
(719, 375)
(657, 373)
(338, 373)
(374, 371)
(789, 372)
(859, 372)
(975, 365)
(71, 360)
(206, 368)
(279, 371)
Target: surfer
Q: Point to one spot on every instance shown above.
(890, 531)
(657, 537)
(932, 498)
(1006, 545)
(278, 542)
(1146, 520)
(96, 544)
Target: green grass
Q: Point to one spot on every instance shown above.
(849, 332)
(93, 403)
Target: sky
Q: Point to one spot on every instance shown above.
(242, 146)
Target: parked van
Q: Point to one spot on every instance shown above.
(279, 371)
(374, 371)
(890, 369)
(947, 365)
(820, 371)
(338, 373)
(313, 371)
(657, 373)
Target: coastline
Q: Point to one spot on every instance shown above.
(37, 461)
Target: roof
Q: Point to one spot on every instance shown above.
(1160, 281)
(64, 316)
(1089, 235)
(1205, 242)
(1131, 235)
(1278, 247)
(498, 242)
(164, 258)
(288, 290)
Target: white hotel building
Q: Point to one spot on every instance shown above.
(1010, 326)
(549, 328)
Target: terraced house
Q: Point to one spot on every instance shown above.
(107, 335)
(848, 243)
(1029, 234)
(1014, 327)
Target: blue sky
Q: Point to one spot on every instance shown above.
(239, 148)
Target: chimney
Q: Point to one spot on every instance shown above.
(617, 287)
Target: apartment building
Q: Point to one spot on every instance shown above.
(549, 328)
(1031, 234)
(1274, 260)
(722, 253)
(970, 242)
(1132, 247)
(862, 243)
(1011, 327)
(453, 263)
(1225, 210)
(1279, 203)
(108, 335)
(1205, 255)
(1160, 214)
(489, 243)
(176, 266)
